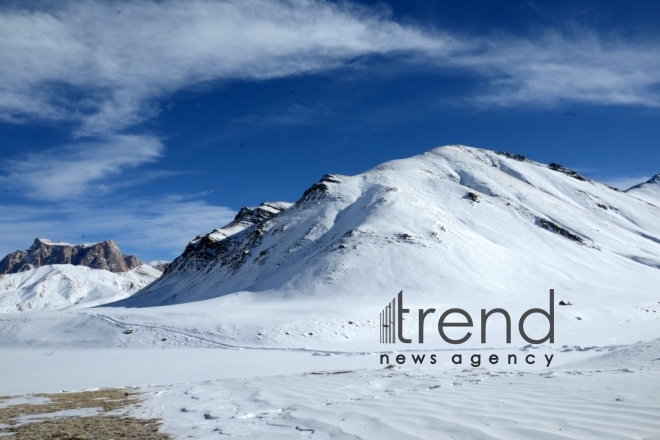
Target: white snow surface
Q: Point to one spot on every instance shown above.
(61, 286)
(610, 394)
(602, 398)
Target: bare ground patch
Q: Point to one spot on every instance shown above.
(48, 419)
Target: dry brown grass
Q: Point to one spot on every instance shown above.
(102, 426)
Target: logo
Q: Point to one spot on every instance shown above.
(387, 322)
(392, 330)
(391, 320)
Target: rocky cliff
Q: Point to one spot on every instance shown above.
(104, 255)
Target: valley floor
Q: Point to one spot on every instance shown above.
(298, 370)
(609, 393)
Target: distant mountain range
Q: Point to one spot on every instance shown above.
(104, 255)
(60, 275)
(456, 220)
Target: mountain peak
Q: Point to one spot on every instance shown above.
(652, 180)
(648, 191)
(47, 242)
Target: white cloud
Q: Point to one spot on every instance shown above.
(158, 228)
(556, 68)
(101, 63)
(78, 169)
(105, 64)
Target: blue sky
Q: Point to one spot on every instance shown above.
(151, 122)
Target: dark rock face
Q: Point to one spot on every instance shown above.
(571, 173)
(554, 227)
(473, 196)
(319, 190)
(518, 157)
(220, 245)
(104, 255)
(251, 216)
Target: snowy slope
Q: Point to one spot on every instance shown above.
(648, 191)
(62, 286)
(455, 222)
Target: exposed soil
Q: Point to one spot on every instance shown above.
(111, 423)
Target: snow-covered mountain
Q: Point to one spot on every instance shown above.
(61, 286)
(648, 191)
(103, 255)
(160, 265)
(455, 220)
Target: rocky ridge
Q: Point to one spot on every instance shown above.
(103, 255)
(204, 249)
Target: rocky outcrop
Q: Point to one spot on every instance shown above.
(571, 173)
(319, 190)
(518, 157)
(206, 248)
(104, 255)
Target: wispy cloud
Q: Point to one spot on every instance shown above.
(102, 63)
(75, 170)
(557, 68)
(291, 115)
(105, 64)
(154, 228)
